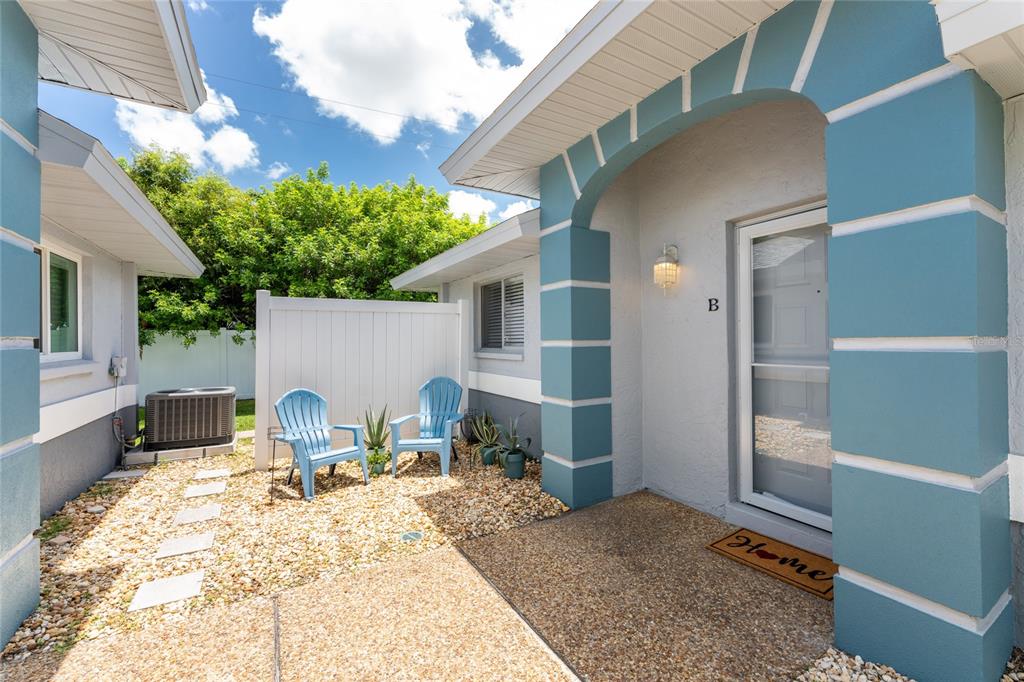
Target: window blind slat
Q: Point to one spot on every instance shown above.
(490, 315)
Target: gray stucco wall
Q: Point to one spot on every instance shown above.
(673, 411)
(69, 464)
(503, 409)
(1014, 133)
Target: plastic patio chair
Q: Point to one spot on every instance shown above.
(439, 412)
(303, 417)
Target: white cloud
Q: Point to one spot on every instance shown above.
(231, 148)
(228, 147)
(471, 203)
(516, 207)
(423, 147)
(277, 170)
(412, 58)
(198, 5)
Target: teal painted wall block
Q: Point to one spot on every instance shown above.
(580, 487)
(939, 277)
(19, 75)
(614, 135)
(661, 105)
(556, 194)
(779, 45)
(957, 542)
(989, 156)
(576, 433)
(19, 587)
(575, 253)
(715, 76)
(920, 148)
(576, 373)
(19, 189)
(579, 313)
(583, 158)
(939, 410)
(19, 495)
(915, 643)
(19, 291)
(19, 393)
(868, 46)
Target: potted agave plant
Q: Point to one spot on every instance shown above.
(488, 438)
(376, 435)
(513, 451)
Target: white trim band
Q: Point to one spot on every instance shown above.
(918, 82)
(15, 239)
(978, 626)
(811, 48)
(744, 65)
(516, 388)
(913, 472)
(581, 283)
(936, 209)
(572, 175)
(575, 343)
(633, 136)
(17, 549)
(57, 419)
(598, 149)
(545, 231)
(19, 139)
(687, 92)
(17, 342)
(14, 446)
(586, 402)
(934, 344)
(573, 464)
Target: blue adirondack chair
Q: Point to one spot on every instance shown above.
(303, 417)
(439, 412)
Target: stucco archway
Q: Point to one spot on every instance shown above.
(918, 274)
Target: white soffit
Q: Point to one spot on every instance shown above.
(86, 193)
(987, 36)
(138, 50)
(618, 54)
(515, 238)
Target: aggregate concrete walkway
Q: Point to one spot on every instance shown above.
(429, 616)
(627, 590)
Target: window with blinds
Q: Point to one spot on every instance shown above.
(502, 314)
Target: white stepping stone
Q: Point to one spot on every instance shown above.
(197, 514)
(211, 473)
(205, 489)
(185, 545)
(130, 473)
(167, 590)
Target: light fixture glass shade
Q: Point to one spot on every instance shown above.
(666, 267)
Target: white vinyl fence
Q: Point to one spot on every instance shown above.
(210, 361)
(355, 354)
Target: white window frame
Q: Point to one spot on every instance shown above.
(510, 351)
(44, 303)
(745, 235)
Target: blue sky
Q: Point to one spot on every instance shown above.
(380, 90)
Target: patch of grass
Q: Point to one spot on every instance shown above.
(54, 526)
(101, 489)
(245, 416)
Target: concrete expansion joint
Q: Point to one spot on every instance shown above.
(544, 231)
(9, 236)
(942, 344)
(575, 343)
(973, 624)
(579, 283)
(19, 139)
(913, 472)
(586, 402)
(918, 82)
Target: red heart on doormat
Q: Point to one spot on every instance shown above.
(766, 555)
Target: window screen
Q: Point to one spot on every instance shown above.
(502, 314)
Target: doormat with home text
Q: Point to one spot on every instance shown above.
(810, 572)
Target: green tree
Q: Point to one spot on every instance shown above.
(302, 236)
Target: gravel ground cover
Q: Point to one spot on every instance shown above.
(100, 547)
(837, 666)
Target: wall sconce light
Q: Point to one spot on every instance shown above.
(666, 267)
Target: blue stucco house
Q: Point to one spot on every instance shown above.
(777, 274)
(75, 235)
